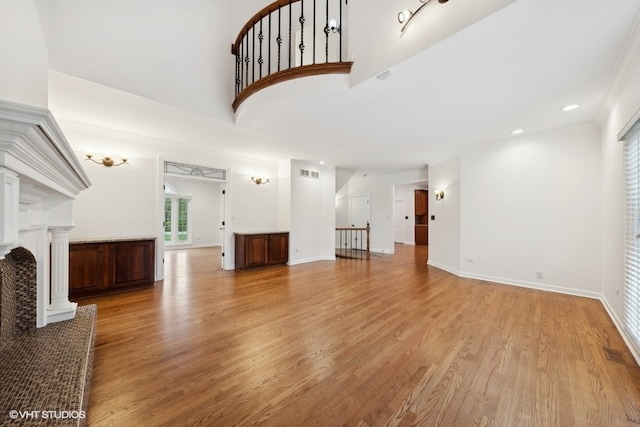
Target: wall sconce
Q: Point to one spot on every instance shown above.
(259, 180)
(107, 161)
(405, 16)
(332, 26)
(439, 194)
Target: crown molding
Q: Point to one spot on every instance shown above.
(625, 68)
(33, 146)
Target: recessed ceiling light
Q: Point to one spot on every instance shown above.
(570, 107)
(517, 131)
(321, 162)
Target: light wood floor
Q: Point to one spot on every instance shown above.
(388, 341)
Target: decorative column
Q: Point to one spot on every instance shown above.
(60, 307)
(9, 202)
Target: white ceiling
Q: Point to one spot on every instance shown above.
(162, 69)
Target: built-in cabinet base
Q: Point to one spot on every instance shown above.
(110, 266)
(257, 250)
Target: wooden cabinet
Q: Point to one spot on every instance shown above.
(421, 204)
(421, 215)
(256, 250)
(422, 234)
(109, 266)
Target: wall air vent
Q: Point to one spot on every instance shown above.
(309, 174)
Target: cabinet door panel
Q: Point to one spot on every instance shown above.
(87, 271)
(278, 248)
(131, 264)
(256, 251)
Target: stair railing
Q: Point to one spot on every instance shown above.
(289, 39)
(353, 242)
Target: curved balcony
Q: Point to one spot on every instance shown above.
(289, 39)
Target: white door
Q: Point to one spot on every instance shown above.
(398, 221)
(360, 213)
(360, 217)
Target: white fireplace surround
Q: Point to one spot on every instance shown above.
(40, 176)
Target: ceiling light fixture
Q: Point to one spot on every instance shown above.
(570, 107)
(517, 132)
(405, 16)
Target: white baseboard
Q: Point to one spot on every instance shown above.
(196, 246)
(312, 259)
(635, 351)
(533, 285)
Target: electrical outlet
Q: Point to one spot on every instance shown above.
(539, 275)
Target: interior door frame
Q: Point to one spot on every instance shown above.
(225, 262)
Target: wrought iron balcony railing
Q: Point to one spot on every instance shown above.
(289, 39)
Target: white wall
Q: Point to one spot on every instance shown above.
(374, 52)
(531, 206)
(624, 112)
(121, 203)
(284, 196)
(101, 213)
(24, 60)
(380, 189)
(205, 205)
(313, 220)
(444, 231)
(255, 207)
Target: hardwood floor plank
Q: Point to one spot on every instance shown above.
(390, 341)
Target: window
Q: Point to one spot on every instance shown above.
(632, 240)
(177, 220)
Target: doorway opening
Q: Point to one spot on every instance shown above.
(193, 210)
(410, 214)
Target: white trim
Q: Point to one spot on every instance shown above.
(635, 351)
(533, 285)
(194, 246)
(533, 137)
(625, 67)
(34, 146)
(443, 267)
(312, 259)
(632, 126)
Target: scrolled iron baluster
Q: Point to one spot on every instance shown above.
(269, 47)
(290, 49)
(260, 60)
(246, 63)
(253, 53)
(301, 20)
(326, 33)
(314, 32)
(238, 64)
(279, 39)
(340, 32)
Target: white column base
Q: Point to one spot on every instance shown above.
(60, 307)
(58, 314)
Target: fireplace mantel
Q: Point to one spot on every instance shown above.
(40, 176)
